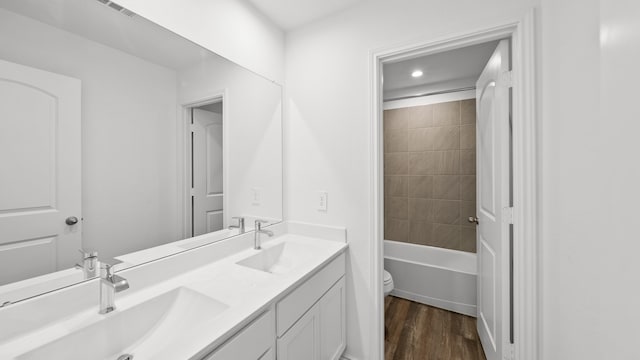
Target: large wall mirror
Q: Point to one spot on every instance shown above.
(123, 142)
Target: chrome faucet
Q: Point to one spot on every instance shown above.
(240, 225)
(110, 284)
(89, 263)
(258, 231)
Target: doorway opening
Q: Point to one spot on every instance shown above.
(205, 167)
(454, 209)
(434, 108)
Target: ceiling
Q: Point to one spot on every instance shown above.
(442, 71)
(289, 14)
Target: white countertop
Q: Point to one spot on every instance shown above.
(246, 291)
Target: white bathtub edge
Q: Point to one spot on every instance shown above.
(464, 309)
(432, 276)
(460, 261)
(392, 258)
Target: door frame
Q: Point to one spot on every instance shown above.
(184, 157)
(526, 248)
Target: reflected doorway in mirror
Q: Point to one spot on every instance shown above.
(205, 170)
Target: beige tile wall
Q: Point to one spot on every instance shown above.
(429, 168)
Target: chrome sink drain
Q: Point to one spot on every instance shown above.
(125, 357)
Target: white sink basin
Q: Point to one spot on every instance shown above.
(145, 330)
(276, 259)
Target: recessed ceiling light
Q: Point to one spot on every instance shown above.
(416, 73)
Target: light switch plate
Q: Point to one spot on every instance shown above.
(323, 199)
(255, 196)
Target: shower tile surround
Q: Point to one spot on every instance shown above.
(430, 174)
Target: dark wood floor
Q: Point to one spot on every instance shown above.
(421, 332)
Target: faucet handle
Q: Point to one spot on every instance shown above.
(108, 267)
(89, 268)
(88, 254)
(240, 225)
(258, 223)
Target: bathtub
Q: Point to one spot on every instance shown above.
(438, 277)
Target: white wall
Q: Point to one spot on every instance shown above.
(589, 168)
(590, 174)
(233, 29)
(619, 114)
(327, 147)
(128, 125)
(253, 127)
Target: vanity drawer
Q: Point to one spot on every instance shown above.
(254, 342)
(294, 305)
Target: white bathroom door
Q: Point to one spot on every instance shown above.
(207, 172)
(40, 144)
(492, 102)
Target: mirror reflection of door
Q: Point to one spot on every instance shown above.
(40, 197)
(207, 169)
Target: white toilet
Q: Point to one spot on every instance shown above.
(388, 283)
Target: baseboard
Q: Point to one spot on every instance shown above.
(465, 309)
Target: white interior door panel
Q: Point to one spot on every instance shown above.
(40, 186)
(492, 102)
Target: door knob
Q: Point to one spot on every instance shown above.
(71, 220)
(473, 219)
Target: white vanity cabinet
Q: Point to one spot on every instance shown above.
(333, 326)
(286, 301)
(320, 333)
(254, 342)
(308, 323)
(311, 319)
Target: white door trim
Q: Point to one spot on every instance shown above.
(184, 157)
(527, 297)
